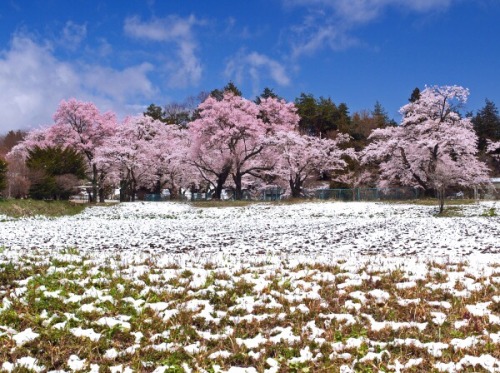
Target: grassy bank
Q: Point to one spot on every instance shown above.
(17, 208)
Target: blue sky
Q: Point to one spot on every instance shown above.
(125, 54)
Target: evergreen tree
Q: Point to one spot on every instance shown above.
(487, 124)
(380, 115)
(344, 119)
(54, 172)
(266, 93)
(321, 117)
(155, 112)
(218, 94)
(307, 110)
(415, 95)
(327, 116)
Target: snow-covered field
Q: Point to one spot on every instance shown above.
(332, 229)
(321, 286)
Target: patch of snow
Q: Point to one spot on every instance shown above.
(25, 336)
(88, 333)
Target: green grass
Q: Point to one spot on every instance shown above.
(18, 208)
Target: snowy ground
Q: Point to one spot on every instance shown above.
(331, 229)
(162, 287)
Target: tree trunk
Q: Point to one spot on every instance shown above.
(123, 188)
(101, 195)
(221, 180)
(157, 188)
(295, 187)
(174, 192)
(441, 196)
(93, 198)
(218, 191)
(238, 192)
(132, 191)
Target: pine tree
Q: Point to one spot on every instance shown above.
(218, 94)
(487, 124)
(155, 112)
(55, 171)
(380, 115)
(266, 93)
(415, 95)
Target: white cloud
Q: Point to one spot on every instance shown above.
(366, 10)
(361, 11)
(315, 34)
(118, 85)
(256, 66)
(329, 22)
(186, 69)
(73, 34)
(34, 81)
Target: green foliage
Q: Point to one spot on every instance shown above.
(415, 95)
(266, 93)
(321, 116)
(218, 94)
(487, 124)
(380, 116)
(155, 112)
(55, 172)
(173, 113)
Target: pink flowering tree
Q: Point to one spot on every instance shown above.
(301, 159)
(230, 136)
(433, 148)
(173, 168)
(78, 125)
(131, 157)
(83, 127)
(18, 173)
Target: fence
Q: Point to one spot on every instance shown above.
(272, 194)
(367, 194)
(355, 194)
(156, 197)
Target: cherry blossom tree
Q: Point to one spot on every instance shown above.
(302, 158)
(18, 183)
(230, 135)
(173, 167)
(78, 125)
(433, 148)
(83, 127)
(131, 156)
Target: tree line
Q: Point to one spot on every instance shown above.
(222, 140)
